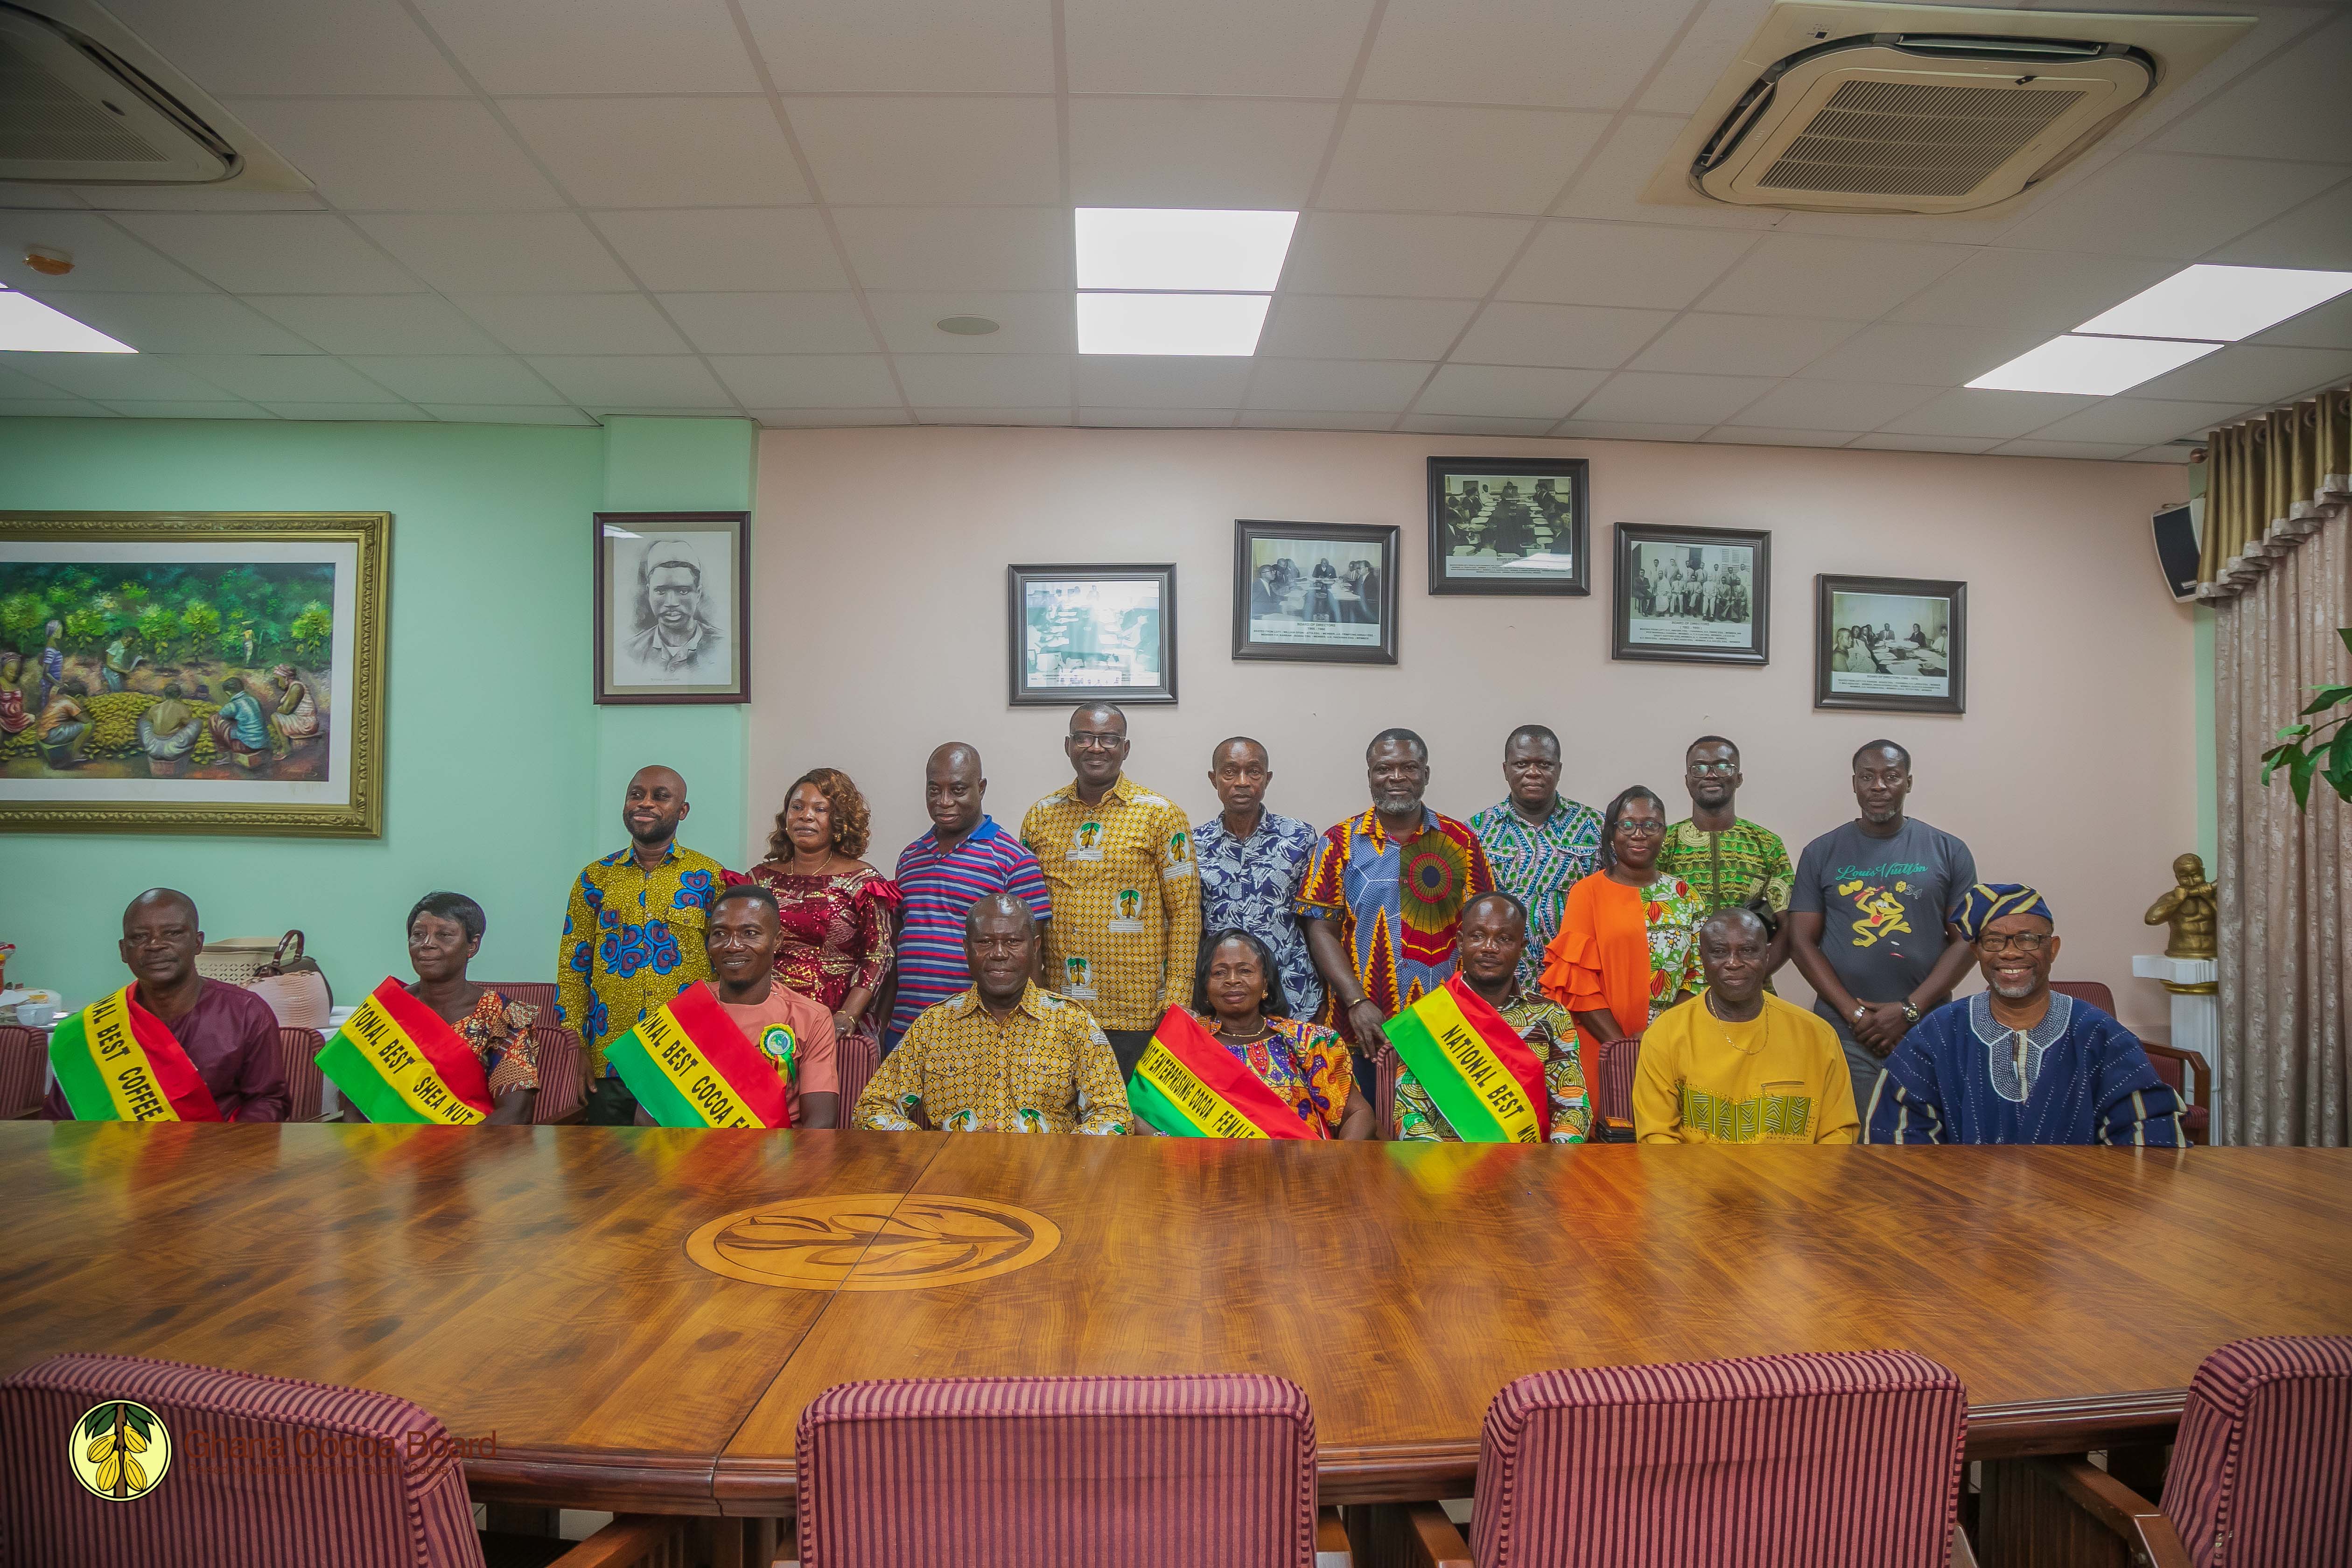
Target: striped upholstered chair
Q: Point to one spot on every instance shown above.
(563, 1070)
(1107, 1472)
(408, 1510)
(1611, 1089)
(24, 1070)
(297, 1052)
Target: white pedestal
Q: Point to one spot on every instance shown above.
(2197, 1019)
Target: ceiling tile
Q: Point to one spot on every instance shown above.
(1704, 342)
(2328, 327)
(662, 152)
(143, 409)
(1588, 337)
(2244, 119)
(808, 381)
(1885, 443)
(1152, 380)
(1920, 355)
(985, 381)
(17, 383)
(830, 418)
(1835, 405)
(196, 199)
(1977, 412)
(273, 253)
(1766, 435)
(114, 376)
(1508, 51)
(503, 414)
(457, 378)
(1611, 186)
(1381, 253)
(105, 259)
(1307, 419)
(2106, 451)
(23, 194)
(1509, 391)
(2141, 421)
(2153, 203)
(596, 45)
(1845, 280)
(377, 323)
(53, 408)
(2166, 454)
(402, 154)
(1157, 418)
(1196, 152)
(1621, 264)
(179, 324)
(1700, 60)
(2316, 234)
(913, 151)
(1329, 326)
(1629, 430)
(522, 253)
(1038, 324)
(905, 46)
(772, 323)
(1473, 424)
(958, 248)
(1674, 399)
(260, 46)
(1395, 157)
(350, 413)
(1305, 49)
(2037, 291)
(285, 378)
(1382, 385)
(666, 410)
(641, 381)
(2247, 373)
(574, 323)
(726, 249)
(1032, 418)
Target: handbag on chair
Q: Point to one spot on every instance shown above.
(296, 988)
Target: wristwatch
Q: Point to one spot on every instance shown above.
(1860, 1010)
(1910, 1012)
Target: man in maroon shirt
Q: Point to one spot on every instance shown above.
(230, 1035)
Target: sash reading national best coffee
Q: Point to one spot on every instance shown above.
(690, 1065)
(398, 1060)
(117, 1062)
(1189, 1086)
(1478, 1072)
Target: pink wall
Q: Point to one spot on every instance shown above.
(880, 566)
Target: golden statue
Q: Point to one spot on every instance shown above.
(2191, 909)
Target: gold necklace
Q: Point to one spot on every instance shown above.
(1707, 1000)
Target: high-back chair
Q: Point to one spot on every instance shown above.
(298, 1053)
(562, 1067)
(855, 1056)
(1611, 1089)
(2183, 1071)
(386, 1505)
(1108, 1471)
(24, 1070)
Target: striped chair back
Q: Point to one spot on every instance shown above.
(562, 1074)
(855, 1056)
(1833, 1461)
(2262, 1469)
(24, 1070)
(1612, 1077)
(391, 1506)
(540, 993)
(297, 1052)
(2095, 992)
(1008, 1472)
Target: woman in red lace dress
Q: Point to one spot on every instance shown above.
(835, 908)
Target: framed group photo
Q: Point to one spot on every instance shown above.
(1508, 525)
(1106, 631)
(1895, 644)
(1693, 596)
(673, 606)
(1319, 592)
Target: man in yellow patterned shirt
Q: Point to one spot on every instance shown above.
(1117, 858)
(1005, 1056)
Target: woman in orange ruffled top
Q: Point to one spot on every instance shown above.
(1628, 942)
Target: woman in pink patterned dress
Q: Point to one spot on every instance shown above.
(835, 908)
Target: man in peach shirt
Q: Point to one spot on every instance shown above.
(794, 1032)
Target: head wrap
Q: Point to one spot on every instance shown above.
(1988, 901)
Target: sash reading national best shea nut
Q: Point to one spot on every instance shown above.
(397, 1061)
(690, 1065)
(1189, 1086)
(1478, 1072)
(117, 1062)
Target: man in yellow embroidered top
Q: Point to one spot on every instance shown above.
(632, 936)
(1735, 1064)
(1126, 927)
(1005, 1056)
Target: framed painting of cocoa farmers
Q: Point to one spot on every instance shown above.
(192, 673)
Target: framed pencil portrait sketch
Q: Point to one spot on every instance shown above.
(1315, 593)
(1508, 525)
(673, 606)
(1692, 596)
(1895, 644)
(1091, 631)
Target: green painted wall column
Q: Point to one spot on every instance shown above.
(680, 464)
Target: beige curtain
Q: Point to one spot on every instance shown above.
(2269, 482)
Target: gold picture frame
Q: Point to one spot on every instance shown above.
(295, 752)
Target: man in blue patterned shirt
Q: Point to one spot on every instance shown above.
(633, 935)
(1540, 842)
(1251, 863)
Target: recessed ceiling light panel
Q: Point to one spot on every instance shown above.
(2219, 303)
(27, 326)
(2094, 367)
(1182, 248)
(1170, 323)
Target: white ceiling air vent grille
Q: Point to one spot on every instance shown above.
(1838, 106)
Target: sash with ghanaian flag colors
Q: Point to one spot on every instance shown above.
(397, 1061)
(1189, 1086)
(690, 1065)
(1477, 1070)
(117, 1062)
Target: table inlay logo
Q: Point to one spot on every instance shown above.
(873, 1241)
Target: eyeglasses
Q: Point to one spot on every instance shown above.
(1725, 768)
(1096, 741)
(1648, 828)
(2024, 941)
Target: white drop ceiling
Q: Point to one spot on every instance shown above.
(547, 211)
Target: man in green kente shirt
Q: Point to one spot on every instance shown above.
(1726, 859)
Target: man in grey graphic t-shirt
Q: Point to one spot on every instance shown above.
(1868, 917)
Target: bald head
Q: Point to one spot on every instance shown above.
(160, 899)
(953, 788)
(160, 942)
(654, 807)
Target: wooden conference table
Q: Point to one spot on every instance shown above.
(639, 1315)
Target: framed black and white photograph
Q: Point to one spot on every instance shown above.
(1693, 596)
(1320, 593)
(1103, 631)
(1508, 525)
(1897, 645)
(673, 606)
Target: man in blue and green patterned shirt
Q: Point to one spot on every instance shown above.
(1540, 842)
(632, 936)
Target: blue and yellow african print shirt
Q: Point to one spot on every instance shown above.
(631, 939)
(1537, 863)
